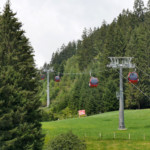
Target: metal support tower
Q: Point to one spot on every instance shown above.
(121, 62)
(48, 92)
(48, 87)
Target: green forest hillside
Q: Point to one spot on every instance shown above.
(127, 36)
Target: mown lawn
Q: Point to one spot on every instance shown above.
(101, 131)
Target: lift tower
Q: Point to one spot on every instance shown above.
(121, 62)
(48, 89)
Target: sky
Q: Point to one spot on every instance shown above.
(51, 23)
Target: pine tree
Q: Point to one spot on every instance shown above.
(86, 51)
(20, 127)
(139, 9)
(109, 96)
(148, 5)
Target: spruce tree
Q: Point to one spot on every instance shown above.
(148, 5)
(20, 127)
(139, 9)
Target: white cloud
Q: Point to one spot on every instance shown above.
(50, 23)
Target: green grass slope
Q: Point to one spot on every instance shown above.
(101, 131)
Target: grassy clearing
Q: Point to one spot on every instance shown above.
(99, 130)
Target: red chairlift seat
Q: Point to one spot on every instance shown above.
(42, 76)
(57, 78)
(93, 82)
(133, 77)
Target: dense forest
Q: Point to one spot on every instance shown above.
(128, 35)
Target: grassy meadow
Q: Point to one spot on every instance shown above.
(100, 132)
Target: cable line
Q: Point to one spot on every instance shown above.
(143, 71)
(136, 87)
(78, 73)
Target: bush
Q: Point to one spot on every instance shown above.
(67, 113)
(47, 116)
(67, 141)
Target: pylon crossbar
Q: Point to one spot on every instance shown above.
(124, 62)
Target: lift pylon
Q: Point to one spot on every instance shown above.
(121, 62)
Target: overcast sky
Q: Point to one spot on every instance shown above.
(50, 23)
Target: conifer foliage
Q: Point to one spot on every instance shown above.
(20, 127)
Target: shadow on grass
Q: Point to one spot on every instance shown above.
(148, 126)
(136, 127)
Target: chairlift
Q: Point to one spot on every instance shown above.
(133, 77)
(42, 76)
(93, 82)
(57, 78)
